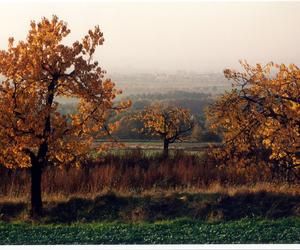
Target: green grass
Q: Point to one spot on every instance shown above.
(182, 231)
(150, 148)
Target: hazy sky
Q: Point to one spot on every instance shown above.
(196, 36)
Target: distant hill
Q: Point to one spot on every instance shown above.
(141, 83)
(163, 83)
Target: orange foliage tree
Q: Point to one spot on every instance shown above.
(36, 73)
(169, 123)
(260, 118)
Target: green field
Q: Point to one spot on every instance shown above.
(182, 231)
(153, 147)
(158, 145)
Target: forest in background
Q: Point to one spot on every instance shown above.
(195, 102)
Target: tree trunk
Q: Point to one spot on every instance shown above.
(166, 148)
(36, 190)
(38, 162)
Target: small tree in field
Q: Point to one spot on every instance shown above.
(36, 72)
(169, 123)
(260, 118)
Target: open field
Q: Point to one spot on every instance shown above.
(217, 215)
(137, 197)
(156, 146)
(165, 232)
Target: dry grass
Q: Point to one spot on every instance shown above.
(138, 173)
(279, 189)
(213, 204)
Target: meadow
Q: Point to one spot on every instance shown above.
(133, 195)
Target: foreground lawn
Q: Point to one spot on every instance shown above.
(167, 232)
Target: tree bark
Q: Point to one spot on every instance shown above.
(166, 148)
(36, 190)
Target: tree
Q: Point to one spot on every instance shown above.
(169, 123)
(36, 72)
(259, 119)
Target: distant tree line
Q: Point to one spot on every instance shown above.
(128, 128)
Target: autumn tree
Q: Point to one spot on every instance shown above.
(168, 122)
(36, 72)
(259, 119)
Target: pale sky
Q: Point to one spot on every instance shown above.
(166, 37)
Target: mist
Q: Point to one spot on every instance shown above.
(168, 37)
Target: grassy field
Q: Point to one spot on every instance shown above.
(141, 198)
(155, 146)
(165, 232)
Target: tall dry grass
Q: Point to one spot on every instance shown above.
(138, 172)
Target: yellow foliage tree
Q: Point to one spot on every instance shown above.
(260, 118)
(169, 123)
(36, 73)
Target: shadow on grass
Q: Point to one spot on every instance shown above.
(211, 207)
(10, 210)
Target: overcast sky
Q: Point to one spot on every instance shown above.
(166, 37)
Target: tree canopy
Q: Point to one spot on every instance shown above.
(36, 72)
(260, 118)
(171, 123)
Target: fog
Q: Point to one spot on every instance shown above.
(167, 37)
